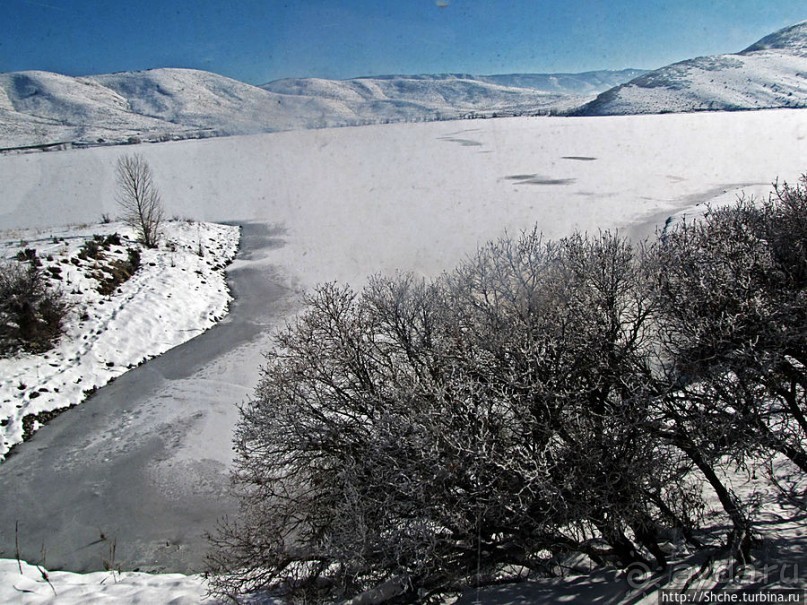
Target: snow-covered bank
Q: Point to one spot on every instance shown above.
(28, 585)
(178, 292)
(145, 461)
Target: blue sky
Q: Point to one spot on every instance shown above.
(261, 40)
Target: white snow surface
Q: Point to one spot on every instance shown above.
(351, 202)
(770, 73)
(421, 196)
(176, 294)
(26, 584)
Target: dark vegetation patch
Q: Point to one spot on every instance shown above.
(118, 271)
(32, 304)
(31, 311)
(29, 255)
(103, 254)
(29, 422)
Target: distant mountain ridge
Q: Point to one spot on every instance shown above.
(575, 84)
(585, 83)
(771, 73)
(39, 108)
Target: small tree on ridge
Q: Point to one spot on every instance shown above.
(139, 198)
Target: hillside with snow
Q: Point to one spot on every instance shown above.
(771, 73)
(46, 109)
(408, 98)
(40, 108)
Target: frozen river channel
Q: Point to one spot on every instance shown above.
(137, 474)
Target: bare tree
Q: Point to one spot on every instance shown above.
(424, 436)
(139, 198)
(731, 287)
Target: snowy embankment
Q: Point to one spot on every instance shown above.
(25, 584)
(178, 292)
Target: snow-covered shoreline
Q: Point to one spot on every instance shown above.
(24, 584)
(178, 292)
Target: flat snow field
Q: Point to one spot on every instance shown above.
(421, 196)
(329, 205)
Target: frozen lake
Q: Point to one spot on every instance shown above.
(144, 463)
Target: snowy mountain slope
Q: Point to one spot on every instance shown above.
(203, 100)
(792, 39)
(586, 83)
(452, 93)
(769, 74)
(41, 108)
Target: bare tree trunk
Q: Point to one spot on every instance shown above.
(740, 539)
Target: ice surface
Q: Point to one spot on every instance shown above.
(339, 205)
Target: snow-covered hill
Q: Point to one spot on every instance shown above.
(397, 98)
(41, 108)
(769, 74)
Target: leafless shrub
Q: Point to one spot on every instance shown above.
(731, 286)
(544, 398)
(31, 312)
(433, 435)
